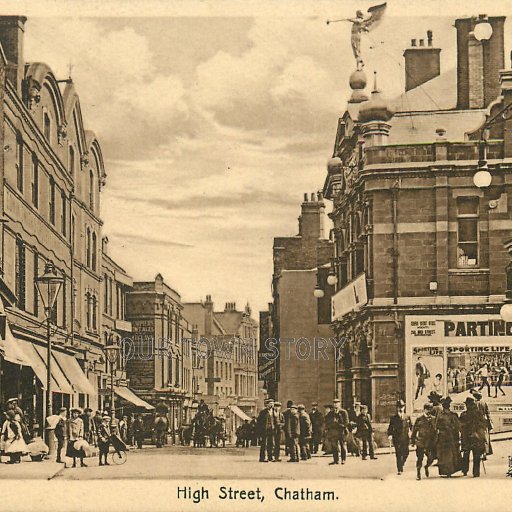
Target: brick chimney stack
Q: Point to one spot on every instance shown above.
(479, 62)
(422, 63)
(208, 320)
(12, 29)
(312, 218)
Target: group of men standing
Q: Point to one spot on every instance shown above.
(303, 432)
(441, 434)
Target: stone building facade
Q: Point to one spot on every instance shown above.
(159, 361)
(52, 175)
(419, 247)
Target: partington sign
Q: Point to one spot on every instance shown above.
(480, 328)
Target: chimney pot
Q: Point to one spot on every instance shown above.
(413, 42)
(422, 42)
(305, 197)
(313, 196)
(429, 37)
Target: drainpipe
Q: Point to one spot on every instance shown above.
(394, 201)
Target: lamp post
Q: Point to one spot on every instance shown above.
(48, 286)
(111, 350)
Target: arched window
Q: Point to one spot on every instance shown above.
(47, 126)
(94, 250)
(88, 248)
(63, 213)
(91, 190)
(94, 313)
(71, 161)
(88, 311)
(19, 163)
(52, 200)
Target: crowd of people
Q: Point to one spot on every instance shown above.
(338, 431)
(441, 434)
(438, 434)
(74, 434)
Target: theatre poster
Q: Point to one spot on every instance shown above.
(456, 353)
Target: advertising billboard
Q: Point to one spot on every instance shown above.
(454, 354)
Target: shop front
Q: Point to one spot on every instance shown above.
(452, 354)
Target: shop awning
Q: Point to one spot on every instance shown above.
(128, 395)
(63, 384)
(11, 351)
(74, 373)
(34, 360)
(241, 414)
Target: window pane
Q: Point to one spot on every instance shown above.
(467, 205)
(468, 230)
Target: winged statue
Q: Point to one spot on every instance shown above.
(363, 23)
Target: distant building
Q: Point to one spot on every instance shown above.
(228, 341)
(304, 366)
(160, 365)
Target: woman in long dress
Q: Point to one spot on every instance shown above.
(75, 428)
(447, 426)
(12, 439)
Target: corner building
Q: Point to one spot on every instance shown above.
(419, 248)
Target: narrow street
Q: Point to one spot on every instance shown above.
(182, 463)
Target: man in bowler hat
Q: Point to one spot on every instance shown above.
(398, 431)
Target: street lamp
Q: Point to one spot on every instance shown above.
(332, 278)
(111, 350)
(48, 286)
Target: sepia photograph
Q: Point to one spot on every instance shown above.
(255, 255)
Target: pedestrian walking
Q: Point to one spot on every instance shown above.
(75, 432)
(138, 431)
(365, 432)
(326, 444)
(424, 437)
(61, 432)
(293, 433)
(104, 440)
(286, 416)
(123, 429)
(305, 433)
(317, 427)
(398, 431)
(89, 427)
(96, 419)
(473, 430)
(13, 443)
(447, 427)
(278, 429)
(484, 408)
(336, 424)
(266, 426)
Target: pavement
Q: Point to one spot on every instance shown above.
(183, 462)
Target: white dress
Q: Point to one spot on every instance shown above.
(12, 439)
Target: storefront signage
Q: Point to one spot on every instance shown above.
(349, 298)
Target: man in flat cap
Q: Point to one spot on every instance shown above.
(398, 431)
(305, 433)
(278, 429)
(293, 433)
(266, 427)
(317, 427)
(336, 424)
(286, 416)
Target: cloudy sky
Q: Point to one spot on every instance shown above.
(212, 128)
